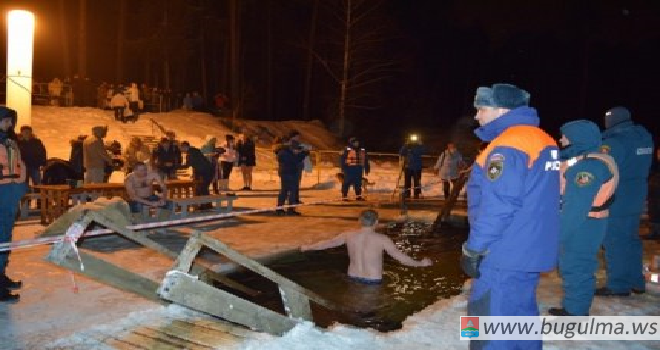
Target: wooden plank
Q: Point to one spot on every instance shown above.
(262, 270)
(60, 250)
(198, 335)
(187, 256)
(149, 243)
(112, 275)
(296, 304)
(188, 291)
(227, 327)
(121, 344)
(172, 339)
(147, 342)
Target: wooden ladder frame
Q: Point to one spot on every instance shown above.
(62, 254)
(180, 287)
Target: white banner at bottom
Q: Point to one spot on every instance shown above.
(549, 328)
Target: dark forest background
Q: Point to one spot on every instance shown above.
(409, 66)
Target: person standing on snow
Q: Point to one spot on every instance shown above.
(95, 157)
(202, 171)
(12, 189)
(33, 153)
(412, 152)
(588, 181)
(631, 146)
(290, 155)
(448, 165)
(513, 209)
(354, 162)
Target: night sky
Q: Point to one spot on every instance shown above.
(576, 58)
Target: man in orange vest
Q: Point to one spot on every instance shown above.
(12, 189)
(354, 162)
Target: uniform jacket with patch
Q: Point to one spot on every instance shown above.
(588, 178)
(513, 195)
(631, 146)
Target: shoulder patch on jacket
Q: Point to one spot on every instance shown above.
(605, 149)
(495, 166)
(583, 178)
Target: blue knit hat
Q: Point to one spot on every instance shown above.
(8, 113)
(616, 115)
(501, 95)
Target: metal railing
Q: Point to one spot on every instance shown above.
(328, 160)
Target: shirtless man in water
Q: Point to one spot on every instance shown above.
(139, 186)
(365, 249)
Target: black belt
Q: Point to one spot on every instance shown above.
(604, 206)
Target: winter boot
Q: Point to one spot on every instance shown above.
(8, 283)
(7, 296)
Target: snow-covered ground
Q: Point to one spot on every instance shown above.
(50, 315)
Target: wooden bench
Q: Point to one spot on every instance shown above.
(24, 208)
(184, 204)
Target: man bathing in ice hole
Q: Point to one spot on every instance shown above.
(365, 250)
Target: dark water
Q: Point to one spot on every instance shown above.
(404, 291)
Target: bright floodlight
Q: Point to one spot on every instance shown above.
(414, 137)
(20, 37)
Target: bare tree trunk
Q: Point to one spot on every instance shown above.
(203, 63)
(269, 61)
(82, 39)
(310, 61)
(344, 78)
(119, 68)
(234, 30)
(147, 69)
(64, 39)
(166, 58)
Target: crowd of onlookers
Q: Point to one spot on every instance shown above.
(83, 92)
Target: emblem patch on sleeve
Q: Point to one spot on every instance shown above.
(495, 166)
(583, 178)
(605, 149)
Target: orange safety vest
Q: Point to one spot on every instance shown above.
(605, 193)
(354, 158)
(10, 160)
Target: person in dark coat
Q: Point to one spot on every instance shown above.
(247, 159)
(631, 146)
(59, 172)
(201, 166)
(290, 155)
(76, 159)
(167, 157)
(412, 153)
(33, 153)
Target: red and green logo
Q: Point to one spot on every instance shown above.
(469, 327)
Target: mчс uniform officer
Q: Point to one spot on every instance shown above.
(588, 181)
(513, 209)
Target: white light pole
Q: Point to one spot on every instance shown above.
(20, 39)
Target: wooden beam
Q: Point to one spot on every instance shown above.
(185, 259)
(110, 274)
(296, 304)
(151, 244)
(262, 270)
(183, 289)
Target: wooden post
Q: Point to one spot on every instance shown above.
(188, 291)
(296, 304)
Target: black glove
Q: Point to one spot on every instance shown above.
(470, 261)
